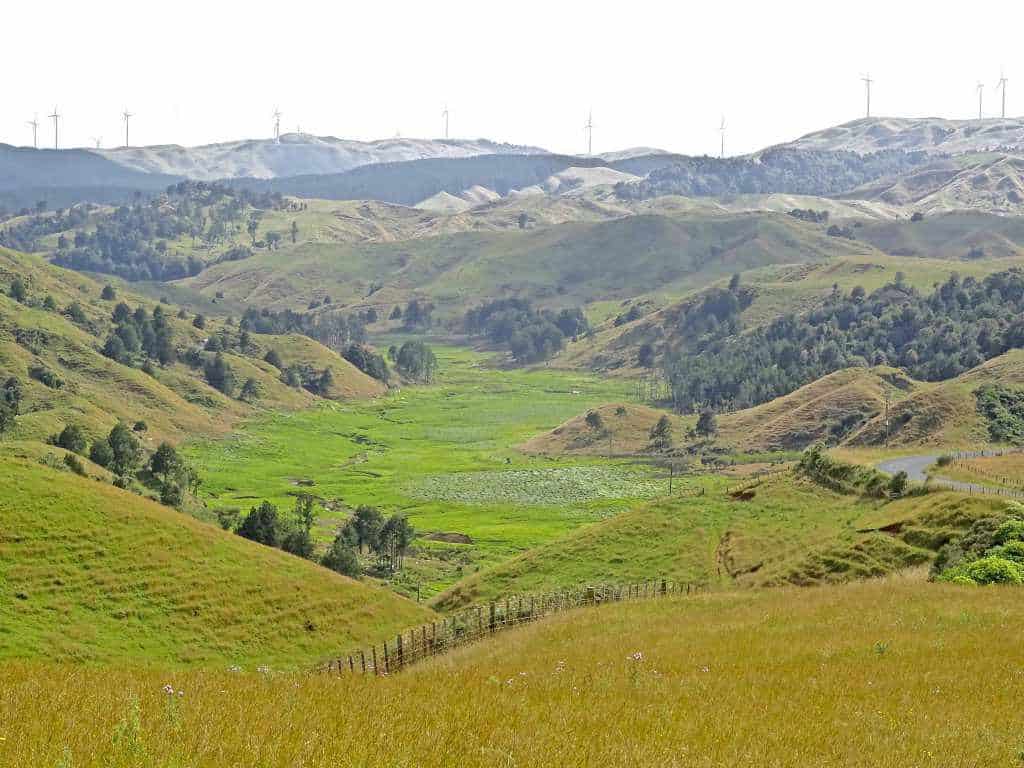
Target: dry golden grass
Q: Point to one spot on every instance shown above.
(886, 674)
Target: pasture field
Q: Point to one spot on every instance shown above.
(1005, 471)
(443, 454)
(886, 673)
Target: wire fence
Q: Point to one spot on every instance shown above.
(477, 622)
(756, 479)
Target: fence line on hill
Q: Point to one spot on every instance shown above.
(476, 622)
(756, 479)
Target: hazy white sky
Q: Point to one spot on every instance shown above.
(655, 74)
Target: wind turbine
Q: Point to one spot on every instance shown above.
(55, 117)
(721, 130)
(97, 140)
(1002, 85)
(867, 87)
(589, 128)
(444, 114)
(981, 91)
(277, 125)
(34, 122)
(126, 116)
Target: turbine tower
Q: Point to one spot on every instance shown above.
(589, 128)
(34, 122)
(981, 91)
(1002, 85)
(126, 116)
(55, 117)
(444, 114)
(97, 140)
(277, 125)
(721, 130)
(867, 87)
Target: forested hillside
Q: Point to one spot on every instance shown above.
(933, 336)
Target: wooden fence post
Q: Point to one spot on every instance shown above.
(362, 661)
(351, 664)
(493, 622)
(376, 670)
(387, 661)
(399, 652)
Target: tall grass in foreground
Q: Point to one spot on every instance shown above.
(886, 673)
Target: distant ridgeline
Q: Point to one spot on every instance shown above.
(935, 337)
(791, 171)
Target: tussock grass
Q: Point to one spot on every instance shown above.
(887, 674)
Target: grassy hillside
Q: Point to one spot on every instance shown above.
(788, 531)
(888, 673)
(92, 573)
(571, 264)
(175, 401)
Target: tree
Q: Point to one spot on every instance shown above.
(72, 438)
(341, 556)
(416, 361)
(706, 424)
(295, 231)
(274, 358)
(171, 495)
(219, 375)
(734, 282)
(108, 293)
(17, 291)
(396, 313)
(898, 484)
(367, 522)
(114, 349)
(273, 240)
(199, 322)
(125, 450)
(394, 538)
(298, 537)
(594, 421)
(253, 225)
(101, 454)
(645, 355)
(661, 435)
(523, 220)
(251, 391)
(165, 463)
(261, 525)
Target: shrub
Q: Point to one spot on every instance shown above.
(46, 377)
(341, 557)
(101, 454)
(74, 464)
(1011, 530)
(108, 293)
(72, 438)
(987, 570)
(274, 358)
(898, 484)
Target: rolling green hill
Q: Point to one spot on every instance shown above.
(571, 264)
(788, 531)
(95, 392)
(92, 573)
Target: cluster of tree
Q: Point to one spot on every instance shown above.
(121, 453)
(139, 333)
(809, 214)
(368, 531)
(415, 361)
(132, 241)
(990, 552)
(10, 402)
(418, 316)
(266, 526)
(368, 361)
(938, 336)
(332, 329)
(715, 313)
(1003, 409)
(782, 169)
(28, 233)
(530, 335)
